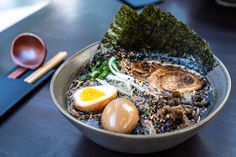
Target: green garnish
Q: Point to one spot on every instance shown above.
(100, 69)
(84, 77)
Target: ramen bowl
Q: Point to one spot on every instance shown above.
(73, 67)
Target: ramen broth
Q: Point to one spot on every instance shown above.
(168, 94)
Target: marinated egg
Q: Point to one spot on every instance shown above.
(120, 115)
(94, 98)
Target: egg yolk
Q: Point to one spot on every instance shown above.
(89, 94)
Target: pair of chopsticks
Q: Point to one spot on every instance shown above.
(46, 67)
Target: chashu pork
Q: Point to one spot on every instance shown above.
(170, 78)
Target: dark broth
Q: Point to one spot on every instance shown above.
(171, 112)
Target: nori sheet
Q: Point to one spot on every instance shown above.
(155, 31)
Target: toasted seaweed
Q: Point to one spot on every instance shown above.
(120, 30)
(155, 31)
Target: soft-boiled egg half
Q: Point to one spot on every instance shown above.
(94, 98)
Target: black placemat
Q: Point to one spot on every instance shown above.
(13, 90)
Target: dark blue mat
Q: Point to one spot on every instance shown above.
(13, 90)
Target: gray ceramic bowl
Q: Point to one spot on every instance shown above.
(67, 72)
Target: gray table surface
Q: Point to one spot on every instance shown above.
(36, 128)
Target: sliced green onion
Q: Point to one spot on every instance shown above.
(94, 73)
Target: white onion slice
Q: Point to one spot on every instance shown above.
(120, 75)
(103, 82)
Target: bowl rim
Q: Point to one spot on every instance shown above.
(132, 136)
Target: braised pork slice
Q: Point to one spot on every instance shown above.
(170, 78)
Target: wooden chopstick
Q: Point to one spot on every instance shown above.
(46, 67)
